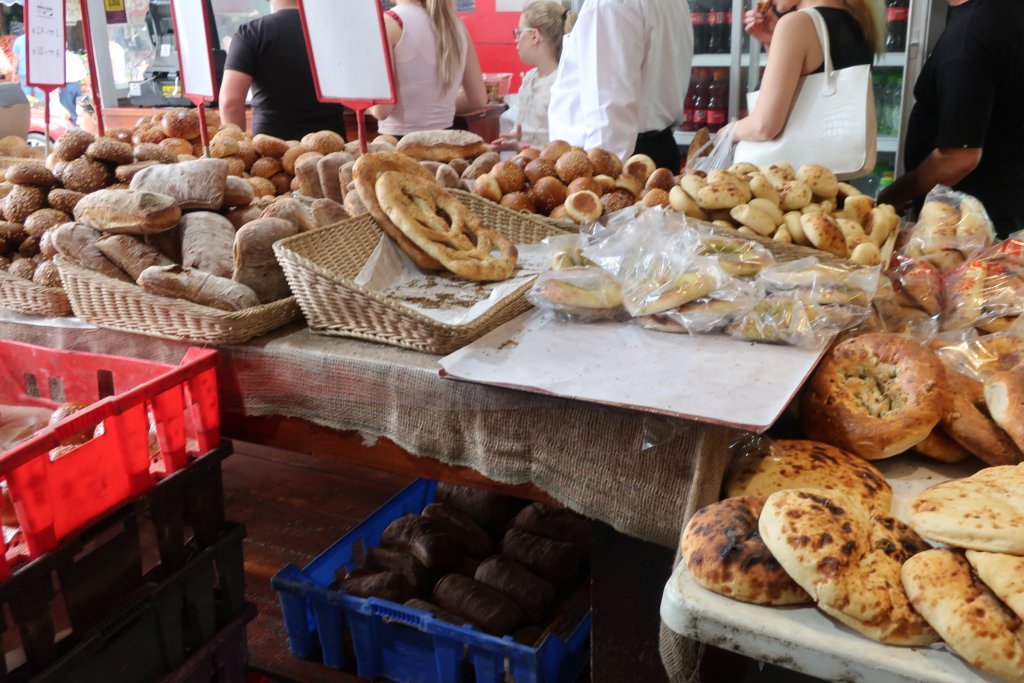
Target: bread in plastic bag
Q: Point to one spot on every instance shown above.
(952, 227)
(579, 293)
(986, 292)
(983, 356)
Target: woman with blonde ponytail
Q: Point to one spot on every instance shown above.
(856, 34)
(436, 69)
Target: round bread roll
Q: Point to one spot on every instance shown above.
(539, 168)
(266, 167)
(261, 187)
(46, 274)
(14, 146)
(547, 193)
(23, 268)
(28, 173)
(180, 123)
(724, 553)
(176, 146)
(605, 162)
(73, 144)
(63, 200)
(662, 178)
(847, 561)
(824, 233)
(324, 141)
(447, 177)
(388, 139)
(968, 423)
(796, 464)
(640, 166)
(22, 202)
(968, 616)
(42, 220)
(149, 151)
(152, 133)
(121, 134)
(237, 192)
(236, 166)
(291, 156)
(876, 395)
(630, 184)
(518, 201)
(459, 166)
(554, 149)
(282, 182)
(510, 177)
(487, 187)
(655, 196)
(572, 165)
(585, 184)
(616, 200)
(85, 175)
(521, 161)
(269, 146)
(584, 206)
(308, 174)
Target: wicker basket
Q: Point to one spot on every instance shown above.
(118, 305)
(321, 267)
(25, 296)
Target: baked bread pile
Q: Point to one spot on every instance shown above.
(878, 395)
(431, 226)
(972, 593)
(478, 559)
(217, 252)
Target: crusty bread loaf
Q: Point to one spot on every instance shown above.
(198, 287)
(243, 215)
(308, 173)
(327, 212)
(329, 169)
(254, 262)
(291, 210)
(207, 241)
(77, 243)
(442, 145)
(237, 192)
(130, 254)
(195, 184)
(128, 211)
(127, 172)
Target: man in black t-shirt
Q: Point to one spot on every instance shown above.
(966, 129)
(269, 54)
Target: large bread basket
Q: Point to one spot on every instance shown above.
(124, 306)
(321, 267)
(25, 296)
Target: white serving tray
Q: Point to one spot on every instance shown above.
(803, 638)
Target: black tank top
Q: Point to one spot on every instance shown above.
(847, 43)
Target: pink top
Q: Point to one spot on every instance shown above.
(421, 103)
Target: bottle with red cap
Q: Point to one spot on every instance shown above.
(897, 12)
(699, 19)
(700, 98)
(718, 100)
(688, 103)
(719, 12)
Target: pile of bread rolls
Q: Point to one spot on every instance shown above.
(190, 231)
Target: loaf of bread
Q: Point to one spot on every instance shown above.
(485, 606)
(556, 523)
(198, 287)
(125, 173)
(438, 613)
(77, 243)
(462, 526)
(400, 562)
(167, 243)
(383, 585)
(130, 254)
(327, 212)
(425, 540)
(237, 192)
(243, 215)
(442, 145)
(198, 184)
(207, 243)
(554, 561)
(255, 264)
(490, 510)
(329, 170)
(308, 173)
(128, 211)
(533, 594)
(291, 210)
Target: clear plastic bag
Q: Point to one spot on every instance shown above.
(581, 293)
(982, 356)
(722, 148)
(566, 251)
(986, 292)
(953, 227)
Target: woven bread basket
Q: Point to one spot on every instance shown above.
(25, 296)
(124, 306)
(321, 267)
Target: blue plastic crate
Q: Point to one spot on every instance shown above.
(400, 643)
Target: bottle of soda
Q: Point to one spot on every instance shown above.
(718, 100)
(699, 19)
(691, 93)
(718, 31)
(700, 98)
(896, 15)
(895, 95)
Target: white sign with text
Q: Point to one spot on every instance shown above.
(193, 40)
(44, 43)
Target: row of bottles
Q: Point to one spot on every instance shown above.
(707, 100)
(888, 87)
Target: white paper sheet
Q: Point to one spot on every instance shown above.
(444, 297)
(708, 378)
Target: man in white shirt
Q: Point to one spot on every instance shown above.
(623, 77)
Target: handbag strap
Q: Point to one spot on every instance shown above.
(829, 86)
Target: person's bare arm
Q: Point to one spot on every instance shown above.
(394, 31)
(474, 93)
(231, 100)
(944, 166)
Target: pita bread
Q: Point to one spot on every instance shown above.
(848, 562)
(1002, 573)
(968, 616)
(982, 512)
(725, 554)
(797, 464)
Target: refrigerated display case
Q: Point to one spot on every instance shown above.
(722, 44)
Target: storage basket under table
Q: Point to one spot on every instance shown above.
(118, 305)
(321, 267)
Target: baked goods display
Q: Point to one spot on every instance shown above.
(475, 558)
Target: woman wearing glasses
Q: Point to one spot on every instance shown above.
(433, 56)
(542, 25)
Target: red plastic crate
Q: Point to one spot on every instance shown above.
(55, 496)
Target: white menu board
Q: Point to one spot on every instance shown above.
(342, 36)
(193, 40)
(44, 43)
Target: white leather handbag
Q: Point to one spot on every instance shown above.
(831, 123)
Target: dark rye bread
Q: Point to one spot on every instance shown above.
(724, 553)
(796, 464)
(972, 621)
(847, 561)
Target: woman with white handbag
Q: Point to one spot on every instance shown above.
(815, 104)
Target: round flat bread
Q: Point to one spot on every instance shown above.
(725, 554)
(1002, 573)
(968, 616)
(796, 464)
(982, 512)
(848, 561)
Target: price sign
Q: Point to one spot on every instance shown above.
(194, 55)
(44, 43)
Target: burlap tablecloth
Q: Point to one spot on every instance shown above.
(643, 474)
